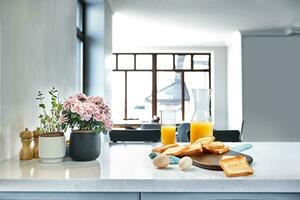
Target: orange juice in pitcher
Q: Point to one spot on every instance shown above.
(201, 124)
(200, 129)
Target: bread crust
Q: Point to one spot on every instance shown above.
(215, 145)
(175, 151)
(205, 140)
(194, 148)
(161, 149)
(217, 151)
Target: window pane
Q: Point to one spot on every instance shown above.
(201, 61)
(118, 96)
(193, 80)
(139, 93)
(79, 64)
(144, 61)
(183, 61)
(164, 61)
(125, 62)
(169, 92)
(79, 14)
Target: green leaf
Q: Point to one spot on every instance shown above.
(54, 104)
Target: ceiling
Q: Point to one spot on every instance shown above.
(138, 23)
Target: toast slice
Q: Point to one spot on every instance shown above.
(225, 157)
(175, 151)
(215, 145)
(161, 149)
(236, 166)
(205, 140)
(193, 149)
(217, 151)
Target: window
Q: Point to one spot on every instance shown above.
(80, 42)
(145, 83)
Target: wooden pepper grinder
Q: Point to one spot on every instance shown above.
(26, 139)
(36, 134)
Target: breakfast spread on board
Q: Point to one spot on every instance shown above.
(232, 165)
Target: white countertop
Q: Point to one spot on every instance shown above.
(127, 168)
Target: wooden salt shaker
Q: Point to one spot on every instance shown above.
(36, 135)
(26, 139)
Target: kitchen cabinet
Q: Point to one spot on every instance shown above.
(219, 196)
(68, 195)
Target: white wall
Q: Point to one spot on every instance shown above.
(1, 138)
(234, 82)
(271, 87)
(38, 51)
(219, 72)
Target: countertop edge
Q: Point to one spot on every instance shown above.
(130, 185)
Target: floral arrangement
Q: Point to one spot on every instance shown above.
(49, 119)
(86, 113)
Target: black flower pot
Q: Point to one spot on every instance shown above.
(85, 145)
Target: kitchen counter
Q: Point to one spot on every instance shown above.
(127, 168)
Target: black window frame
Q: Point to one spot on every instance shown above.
(81, 35)
(154, 71)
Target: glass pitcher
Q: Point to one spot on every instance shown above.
(201, 124)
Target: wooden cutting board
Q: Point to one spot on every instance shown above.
(211, 161)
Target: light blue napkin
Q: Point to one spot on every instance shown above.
(241, 147)
(173, 160)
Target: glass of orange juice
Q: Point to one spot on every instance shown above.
(168, 127)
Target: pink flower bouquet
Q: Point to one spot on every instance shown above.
(86, 113)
